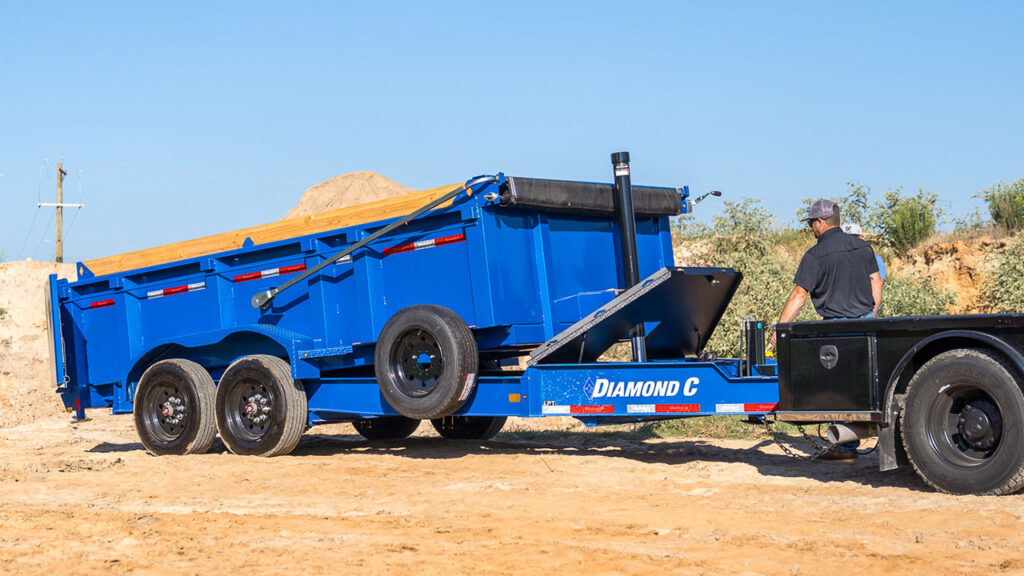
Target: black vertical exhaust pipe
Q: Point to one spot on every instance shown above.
(627, 240)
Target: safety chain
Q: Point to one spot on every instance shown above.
(815, 444)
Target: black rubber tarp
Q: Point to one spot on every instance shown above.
(586, 197)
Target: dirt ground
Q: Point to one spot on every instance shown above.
(81, 498)
(84, 497)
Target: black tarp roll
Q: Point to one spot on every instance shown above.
(586, 197)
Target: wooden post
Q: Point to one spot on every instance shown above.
(60, 211)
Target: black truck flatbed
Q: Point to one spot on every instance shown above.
(946, 389)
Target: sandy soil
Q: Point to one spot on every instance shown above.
(81, 498)
(84, 497)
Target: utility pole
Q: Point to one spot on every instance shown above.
(60, 210)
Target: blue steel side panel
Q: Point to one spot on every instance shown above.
(654, 389)
(333, 399)
(590, 392)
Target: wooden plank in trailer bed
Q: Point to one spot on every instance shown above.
(281, 230)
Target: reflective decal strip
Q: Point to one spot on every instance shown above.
(677, 408)
(102, 303)
(176, 290)
(551, 409)
(409, 247)
(270, 273)
(661, 408)
(728, 407)
(760, 407)
(607, 409)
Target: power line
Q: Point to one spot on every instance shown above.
(43, 237)
(81, 201)
(21, 251)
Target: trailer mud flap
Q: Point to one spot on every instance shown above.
(686, 305)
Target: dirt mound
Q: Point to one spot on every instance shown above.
(346, 190)
(959, 266)
(26, 384)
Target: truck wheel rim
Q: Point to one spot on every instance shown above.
(251, 409)
(965, 426)
(167, 411)
(416, 363)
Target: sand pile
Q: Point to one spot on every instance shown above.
(26, 382)
(346, 190)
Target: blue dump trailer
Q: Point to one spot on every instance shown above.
(428, 317)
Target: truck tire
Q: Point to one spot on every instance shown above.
(426, 362)
(963, 424)
(468, 427)
(386, 428)
(261, 409)
(174, 408)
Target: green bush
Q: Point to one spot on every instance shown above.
(1003, 289)
(1006, 204)
(902, 221)
(970, 224)
(904, 296)
(854, 206)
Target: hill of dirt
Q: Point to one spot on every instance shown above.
(346, 190)
(26, 381)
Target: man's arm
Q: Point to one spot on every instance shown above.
(793, 305)
(876, 290)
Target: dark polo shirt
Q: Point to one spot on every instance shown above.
(835, 272)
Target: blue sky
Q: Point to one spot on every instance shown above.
(190, 118)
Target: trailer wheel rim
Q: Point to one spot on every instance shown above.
(965, 426)
(250, 409)
(167, 410)
(416, 363)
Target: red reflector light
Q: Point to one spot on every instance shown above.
(102, 303)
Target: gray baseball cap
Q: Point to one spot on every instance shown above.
(821, 208)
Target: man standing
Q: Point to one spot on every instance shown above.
(838, 272)
(877, 284)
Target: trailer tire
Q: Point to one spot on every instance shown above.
(426, 362)
(261, 409)
(963, 424)
(174, 408)
(386, 428)
(468, 427)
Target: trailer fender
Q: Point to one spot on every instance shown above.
(917, 356)
(218, 348)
